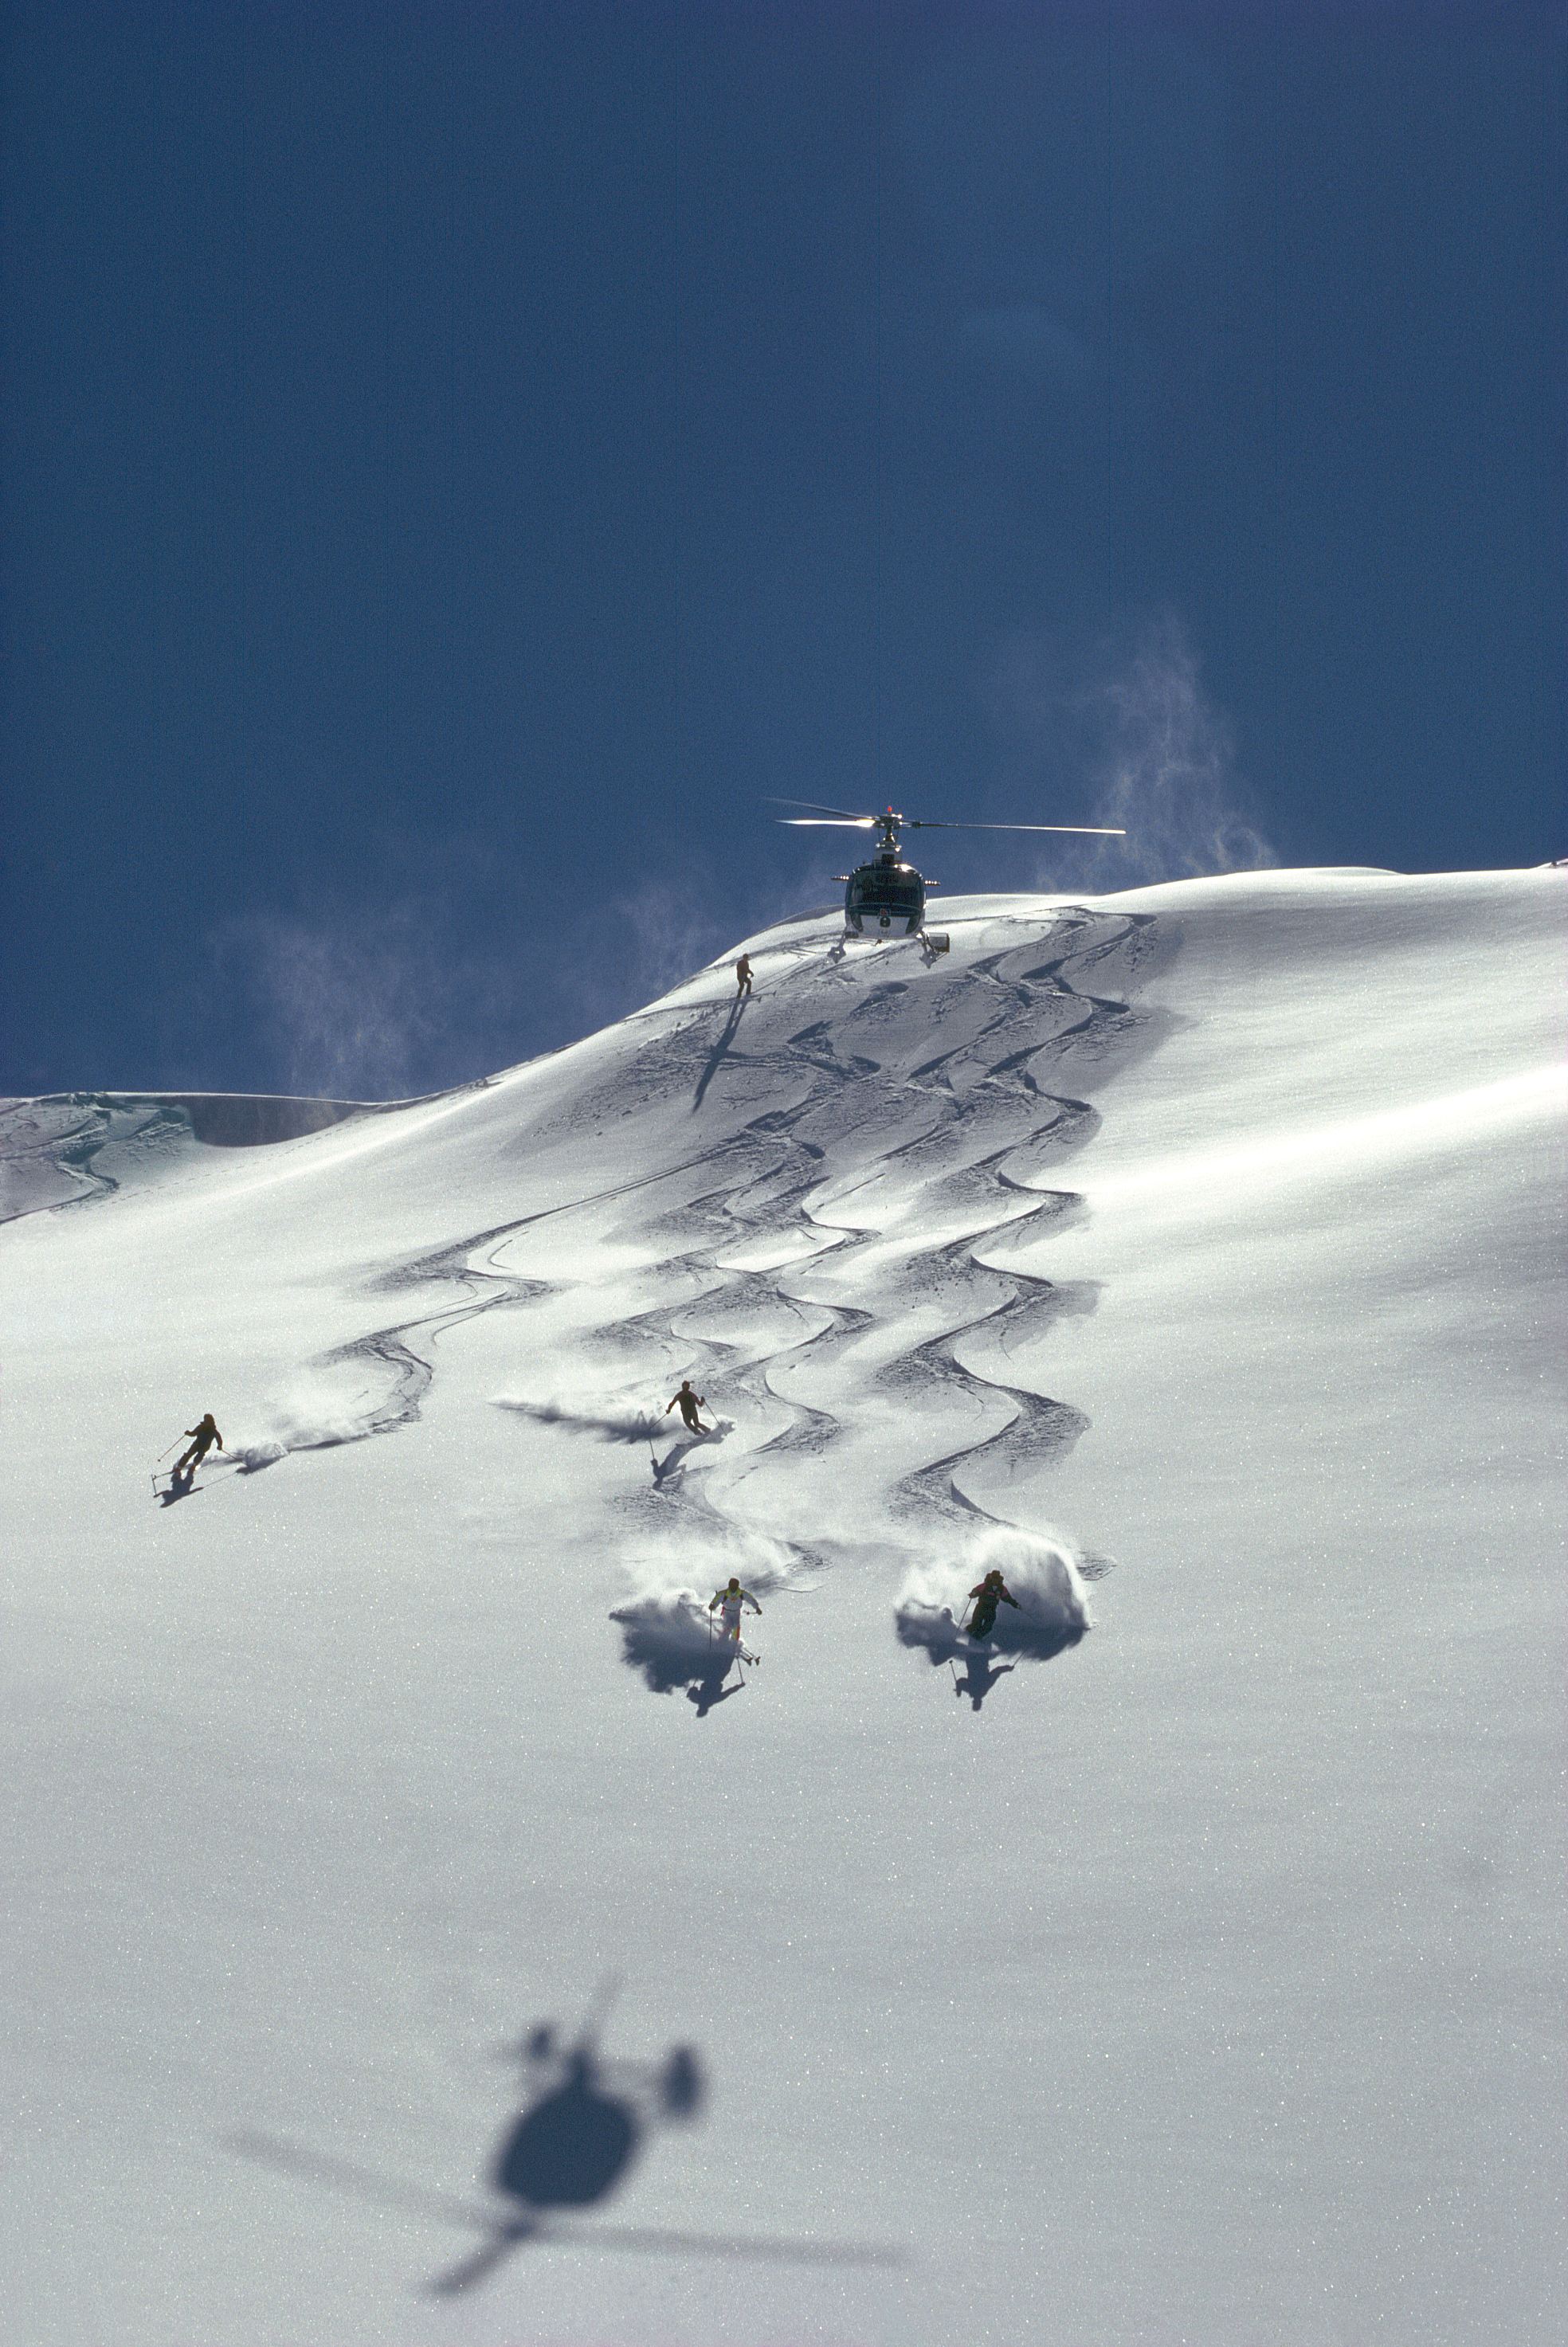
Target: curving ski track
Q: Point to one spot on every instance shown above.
(881, 1179)
(881, 1183)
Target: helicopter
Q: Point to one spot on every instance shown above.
(578, 2135)
(887, 897)
(581, 2127)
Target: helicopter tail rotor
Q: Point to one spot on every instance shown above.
(682, 2089)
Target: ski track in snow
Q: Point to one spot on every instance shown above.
(797, 1193)
(867, 1180)
(859, 1165)
(62, 1140)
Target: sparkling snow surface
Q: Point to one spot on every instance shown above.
(1184, 1967)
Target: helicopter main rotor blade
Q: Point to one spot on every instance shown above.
(647, 2239)
(719, 2245)
(504, 2234)
(823, 816)
(1084, 830)
(361, 2183)
(608, 1989)
(812, 806)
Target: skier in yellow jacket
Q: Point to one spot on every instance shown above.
(730, 1600)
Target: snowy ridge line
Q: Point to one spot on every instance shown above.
(377, 1125)
(57, 1136)
(62, 1136)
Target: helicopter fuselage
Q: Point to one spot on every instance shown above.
(885, 898)
(570, 2149)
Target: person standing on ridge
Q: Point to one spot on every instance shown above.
(743, 976)
(691, 1403)
(731, 1599)
(990, 1592)
(206, 1438)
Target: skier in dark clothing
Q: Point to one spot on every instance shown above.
(987, 1595)
(689, 1403)
(744, 975)
(206, 1438)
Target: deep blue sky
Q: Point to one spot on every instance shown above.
(458, 459)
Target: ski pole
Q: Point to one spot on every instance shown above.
(163, 1454)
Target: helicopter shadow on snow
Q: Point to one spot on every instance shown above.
(582, 2124)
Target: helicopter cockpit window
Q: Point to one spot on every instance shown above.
(898, 891)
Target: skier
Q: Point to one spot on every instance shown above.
(691, 1403)
(206, 1438)
(731, 1600)
(743, 976)
(990, 1592)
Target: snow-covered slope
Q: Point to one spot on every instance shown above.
(1185, 1968)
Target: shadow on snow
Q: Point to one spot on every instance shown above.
(672, 1643)
(582, 2124)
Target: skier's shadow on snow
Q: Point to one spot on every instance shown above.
(714, 1689)
(668, 1469)
(727, 1034)
(671, 1644)
(933, 1633)
(979, 1678)
(603, 1425)
(243, 1463)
